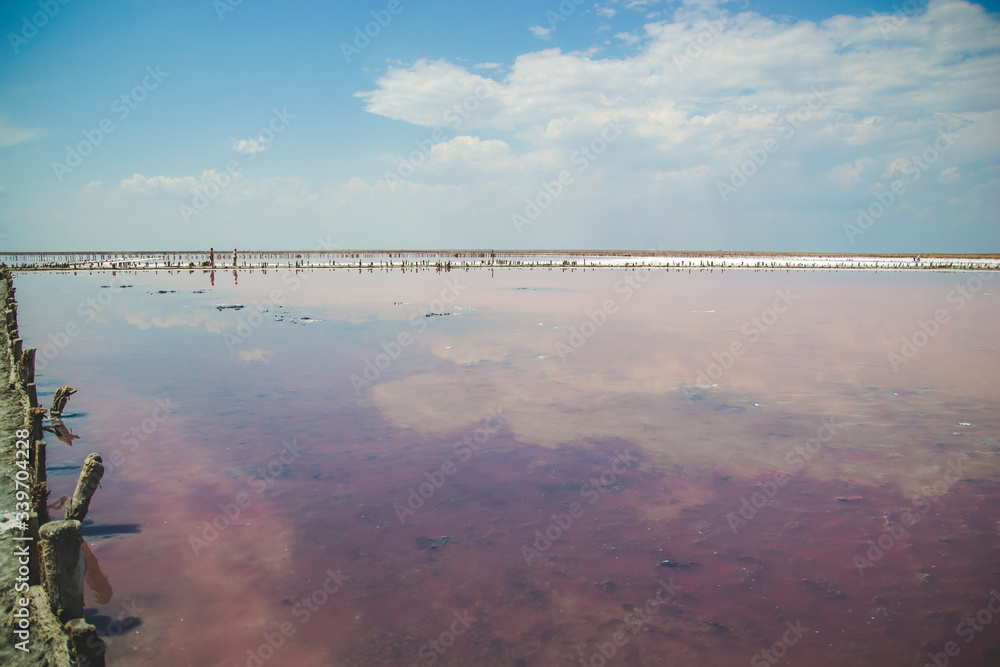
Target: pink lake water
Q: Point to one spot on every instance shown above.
(262, 507)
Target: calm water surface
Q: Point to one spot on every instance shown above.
(673, 468)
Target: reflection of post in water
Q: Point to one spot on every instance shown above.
(59, 401)
(96, 580)
(59, 504)
(55, 571)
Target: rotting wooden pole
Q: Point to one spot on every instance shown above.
(85, 645)
(18, 346)
(63, 567)
(41, 476)
(34, 566)
(60, 399)
(47, 632)
(40, 502)
(26, 367)
(36, 414)
(40, 490)
(90, 479)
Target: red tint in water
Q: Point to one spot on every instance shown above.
(225, 529)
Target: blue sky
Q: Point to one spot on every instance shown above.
(617, 124)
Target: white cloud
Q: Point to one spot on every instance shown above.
(540, 32)
(256, 354)
(139, 184)
(685, 129)
(849, 173)
(606, 12)
(949, 175)
(628, 38)
(181, 186)
(738, 92)
(472, 153)
(779, 62)
(427, 92)
(11, 134)
(250, 146)
(145, 318)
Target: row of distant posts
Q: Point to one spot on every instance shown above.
(58, 566)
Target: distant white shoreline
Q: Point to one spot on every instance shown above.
(480, 259)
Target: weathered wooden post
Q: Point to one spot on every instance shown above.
(60, 399)
(36, 415)
(90, 479)
(55, 414)
(34, 566)
(40, 490)
(63, 567)
(24, 374)
(85, 645)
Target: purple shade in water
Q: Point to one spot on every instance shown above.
(532, 467)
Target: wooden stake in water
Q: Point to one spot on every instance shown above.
(90, 479)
